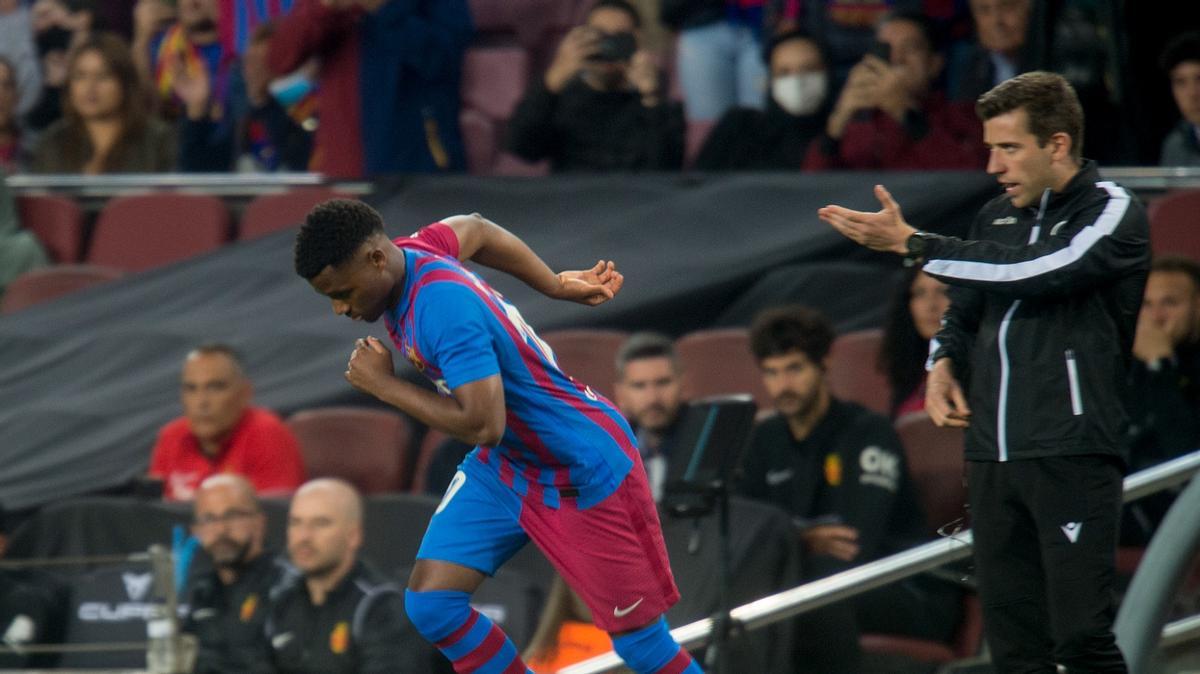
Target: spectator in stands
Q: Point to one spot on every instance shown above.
(31, 612)
(1163, 398)
(270, 137)
(841, 471)
(220, 432)
(388, 87)
(797, 108)
(1181, 61)
(16, 45)
(177, 48)
(253, 133)
(565, 633)
(12, 150)
(59, 26)
(847, 27)
(600, 105)
(20, 250)
(719, 54)
(106, 125)
(890, 116)
(648, 393)
(227, 607)
(1001, 28)
(914, 318)
(338, 615)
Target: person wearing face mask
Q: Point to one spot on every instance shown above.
(797, 107)
(601, 104)
(890, 116)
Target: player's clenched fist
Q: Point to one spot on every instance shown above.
(370, 365)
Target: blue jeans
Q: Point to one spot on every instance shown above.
(720, 65)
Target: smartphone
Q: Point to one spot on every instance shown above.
(615, 47)
(881, 49)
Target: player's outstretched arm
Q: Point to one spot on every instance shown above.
(491, 245)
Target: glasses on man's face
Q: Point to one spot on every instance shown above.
(227, 517)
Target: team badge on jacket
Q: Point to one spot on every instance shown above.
(249, 606)
(833, 469)
(339, 638)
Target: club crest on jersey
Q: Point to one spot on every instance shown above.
(411, 354)
(833, 469)
(248, 607)
(339, 638)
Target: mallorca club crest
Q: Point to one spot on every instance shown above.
(249, 605)
(339, 638)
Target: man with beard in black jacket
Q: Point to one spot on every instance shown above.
(228, 606)
(338, 615)
(1031, 359)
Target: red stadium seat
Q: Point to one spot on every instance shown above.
(271, 213)
(935, 462)
(493, 80)
(718, 361)
(42, 285)
(852, 371)
(588, 355)
(508, 164)
(479, 139)
(135, 233)
(366, 447)
(1175, 224)
(57, 222)
(429, 445)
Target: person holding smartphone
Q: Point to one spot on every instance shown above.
(601, 105)
(891, 115)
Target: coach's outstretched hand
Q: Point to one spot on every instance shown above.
(592, 286)
(370, 365)
(884, 230)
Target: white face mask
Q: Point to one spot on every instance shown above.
(800, 94)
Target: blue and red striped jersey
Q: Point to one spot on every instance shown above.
(563, 443)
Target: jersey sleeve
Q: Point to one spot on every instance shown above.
(1091, 248)
(437, 238)
(454, 333)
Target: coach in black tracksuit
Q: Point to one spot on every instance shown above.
(1044, 301)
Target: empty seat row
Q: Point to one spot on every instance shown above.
(138, 232)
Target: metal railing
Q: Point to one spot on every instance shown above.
(209, 183)
(167, 651)
(789, 603)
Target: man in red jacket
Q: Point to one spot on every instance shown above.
(890, 117)
(220, 432)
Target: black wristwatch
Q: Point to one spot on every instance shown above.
(916, 245)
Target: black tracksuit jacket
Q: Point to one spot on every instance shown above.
(1044, 303)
